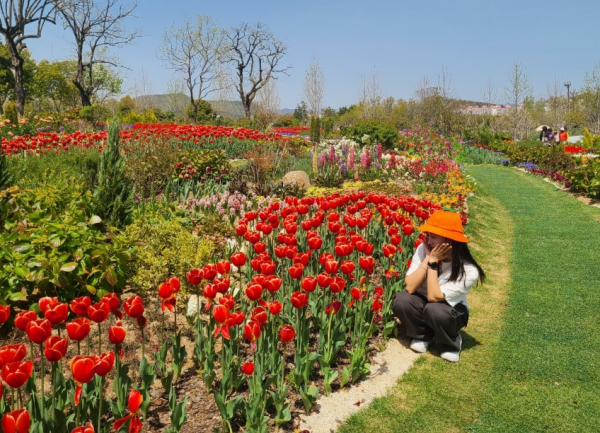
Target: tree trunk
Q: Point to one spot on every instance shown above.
(16, 67)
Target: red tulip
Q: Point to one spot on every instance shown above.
(248, 368)
(12, 353)
(134, 307)
(408, 229)
(165, 290)
(23, 318)
(252, 331)
(18, 421)
(134, 403)
(47, 302)
(367, 263)
(83, 368)
(16, 374)
(99, 312)
(223, 267)
(39, 330)
(280, 251)
(275, 307)
(260, 247)
(337, 284)
(209, 271)
(347, 267)
(114, 303)
(56, 348)
(241, 229)
(80, 305)
(105, 363)
(141, 321)
(254, 291)
(334, 307)
(116, 333)
(268, 267)
(315, 242)
(169, 304)
(259, 314)
(324, 280)
(296, 271)
(396, 239)
(309, 284)
(238, 259)
(78, 329)
(389, 250)
(222, 284)
(89, 428)
(273, 283)
(56, 313)
(195, 276)
(221, 313)
(331, 266)
(4, 313)
(302, 258)
(175, 284)
(299, 299)
(287, 333)
(228, 301)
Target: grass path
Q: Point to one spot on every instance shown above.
(530, 359)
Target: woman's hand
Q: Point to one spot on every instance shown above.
(440, 253)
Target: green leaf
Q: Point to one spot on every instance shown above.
(95, 220)
(110, 276)
(21, 248)
(16, 296)
(91, 289)
(69, 267)
(21, 271)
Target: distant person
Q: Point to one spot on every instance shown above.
(433, 308)
(544, 135)
(563, 136)
(550, 136)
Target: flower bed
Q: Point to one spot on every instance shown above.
(312, 283)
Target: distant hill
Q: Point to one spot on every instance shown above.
(178, 103)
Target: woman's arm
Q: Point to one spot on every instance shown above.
(414, 280)
(439, 253)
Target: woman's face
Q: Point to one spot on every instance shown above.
(434, 240)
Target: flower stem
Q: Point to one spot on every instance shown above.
(143, 345)
(42, 378)
(99, 339)
(100, 404)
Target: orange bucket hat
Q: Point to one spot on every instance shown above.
(446, 224)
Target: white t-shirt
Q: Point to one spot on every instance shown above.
(454, 291)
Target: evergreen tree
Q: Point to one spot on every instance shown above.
(315, 129)
(6, 178)
(114, 191)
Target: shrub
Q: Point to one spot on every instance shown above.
(53, 243)
(95, 113)
(79, 164)
(586, 178)
(378, 132)
(315, 129)
(10, 112)
(114, 191)
(165, 248)
(202, 164)
(6, 177)
(150, 169)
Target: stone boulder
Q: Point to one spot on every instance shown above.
(296, 178)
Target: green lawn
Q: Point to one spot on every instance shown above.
(529, 360)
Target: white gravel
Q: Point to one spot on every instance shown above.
(386, 368)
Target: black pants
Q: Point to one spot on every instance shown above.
(425, 320)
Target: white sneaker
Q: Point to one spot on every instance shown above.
(419, 346)
(452, 356)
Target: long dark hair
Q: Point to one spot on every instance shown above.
(460, 256)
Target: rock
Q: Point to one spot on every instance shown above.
(299, 178)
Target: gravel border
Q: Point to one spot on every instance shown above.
(386, 368)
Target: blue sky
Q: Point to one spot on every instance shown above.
(477, 41)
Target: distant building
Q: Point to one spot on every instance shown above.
(493, 110)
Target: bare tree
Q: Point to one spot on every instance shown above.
(590, 97)
(371, 95)
(314, 86)
(555, 104)
(267, 104)
(176, 99)
(255, 54)
(142, 89)
(488, 94)
(96, 25)
(195, 50)
(225, 103)
(15, 17)
(515, 93)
